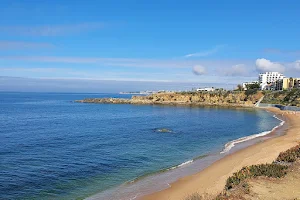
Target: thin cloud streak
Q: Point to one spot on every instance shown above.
(52, 30)
(281, 52)
(124, 62)
(220, 68)
(69, 73)
(205, 53)
(8, 45)
(106, 79)
(23, 69)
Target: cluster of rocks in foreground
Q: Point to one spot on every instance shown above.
(239, 99)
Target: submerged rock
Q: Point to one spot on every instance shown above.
(163, 130)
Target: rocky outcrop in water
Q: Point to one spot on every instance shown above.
(163, 130)
(219, 98)
(106, 100)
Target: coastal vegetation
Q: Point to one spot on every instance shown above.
(252, 89)
(237, 186)
(287, 97)
(253, 86)
(268, 170)
(290, 155)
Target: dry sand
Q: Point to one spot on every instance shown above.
(212, 179)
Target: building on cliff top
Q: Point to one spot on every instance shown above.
(274, 81)
(268, 80)
(287, 83)
(210, 89)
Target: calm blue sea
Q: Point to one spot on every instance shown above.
(53, 148)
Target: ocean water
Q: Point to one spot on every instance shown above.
(53, 148)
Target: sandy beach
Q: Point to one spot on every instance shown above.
(212, 179)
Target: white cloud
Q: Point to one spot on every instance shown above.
(297, 65)
(199, 70)
(264, 65)
(235, 70)
(205, 53)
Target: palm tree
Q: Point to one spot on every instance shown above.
(291, 82)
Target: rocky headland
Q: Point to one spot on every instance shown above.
(217, 98)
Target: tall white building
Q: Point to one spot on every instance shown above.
(267, 79)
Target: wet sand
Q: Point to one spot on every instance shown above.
(212, 179)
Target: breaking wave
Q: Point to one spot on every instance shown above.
(232, 143)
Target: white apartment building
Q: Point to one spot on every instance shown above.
(211, 89)
(267, 79)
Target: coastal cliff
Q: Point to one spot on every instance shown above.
(218, 98)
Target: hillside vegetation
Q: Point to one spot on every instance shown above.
(238, 186)
(287, 98)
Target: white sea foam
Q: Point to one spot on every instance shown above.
(182, 164)
(132, 198)
(232, 143)
(185, 163)
(171, 168)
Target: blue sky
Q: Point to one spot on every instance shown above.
(205, 42)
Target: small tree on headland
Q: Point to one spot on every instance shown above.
(240, 87)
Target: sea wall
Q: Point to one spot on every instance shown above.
(219, 98)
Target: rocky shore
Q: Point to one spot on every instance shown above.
(219, 98)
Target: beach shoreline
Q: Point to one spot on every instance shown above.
(143, 186)
(212, 179)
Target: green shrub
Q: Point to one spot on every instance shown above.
(226, 94)
(276, 94)
(290, 155)
(273, 170)
(238, 180)
(251, 92)
(269, 170)
(266, 92)
(253, 86)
